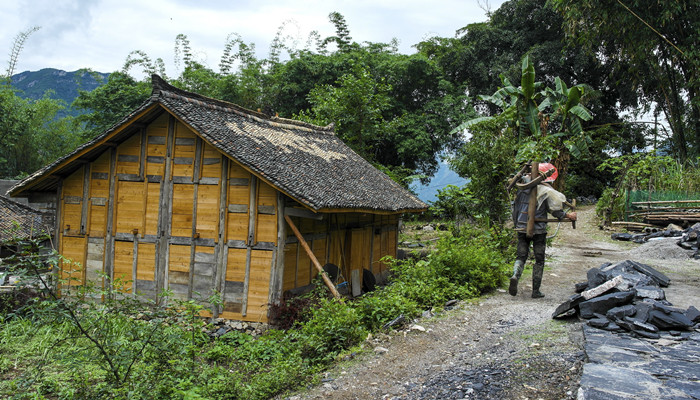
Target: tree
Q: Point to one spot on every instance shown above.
(109, 103)
(546, 122)
(655, 44)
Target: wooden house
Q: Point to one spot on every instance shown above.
(190, 194)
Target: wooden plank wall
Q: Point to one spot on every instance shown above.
(165, 210)
(352, 241)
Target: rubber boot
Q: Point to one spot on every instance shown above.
(537, 271)
(517, 272)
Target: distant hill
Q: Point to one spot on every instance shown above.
(443, 177)
(65, 85)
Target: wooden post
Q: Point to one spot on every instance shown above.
(311, 255)
(532, 204)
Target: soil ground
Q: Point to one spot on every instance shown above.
(511, 345)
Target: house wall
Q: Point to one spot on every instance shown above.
(165, 210)
(351, 241)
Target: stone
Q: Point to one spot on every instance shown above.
(650, 292)
(568, 305)
(580, 287)
(602, 288)
(657, 276)
(621, 312)
(668, 321)
(643, 309)
(693, 314)
(380, 350)
(600, 323)
(417, 328)
(642, 325)
(603, 303)
(596, 277)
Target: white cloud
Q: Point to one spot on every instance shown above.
(100, 34)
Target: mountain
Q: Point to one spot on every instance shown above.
(65, 85)
(443, 177)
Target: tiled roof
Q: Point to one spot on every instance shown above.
(307, 162)
(20, 221)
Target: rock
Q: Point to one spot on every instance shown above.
(428, 228)
(600, 323)
(580, 287)
(668, 321)
(657, 276)
(427, 314)
(568, 305)
(451, 303)
(637, 324)
(602, 288)
(643, 310)
(398, 321)
(650, 292)
(380, 350)
(693, 314)
(596, 277)
(417, 328)
(603, 303)
(617, 313)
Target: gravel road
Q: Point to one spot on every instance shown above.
(500, 346)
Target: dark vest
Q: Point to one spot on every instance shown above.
(520, 207)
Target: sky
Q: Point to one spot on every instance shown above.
(99, 34)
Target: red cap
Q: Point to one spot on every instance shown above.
(544, 167)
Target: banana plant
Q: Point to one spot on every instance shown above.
(532, 110)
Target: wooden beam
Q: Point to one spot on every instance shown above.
(111, 209)
(277, 272)
(86, 197)
(252, 215)
(311, 255)
(303, 213)
(165, 212)
(221, 251)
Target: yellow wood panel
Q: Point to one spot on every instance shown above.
(71, 217)
(259, 284)
(237, 171)
(179, 258)
(319, 250)
(235, 265)
(303, 269)
(72, 267)
(183, 198)
(290, 266)
(73, 184)
(377, 265)
(98, 221)
(101, 164)
(145, 269)
(130, 207)
(210, 170)
(237, 226)
(267, 195)
(152, 207)
(130, 147)
(239, 195)
(208, 211)
(392, 244)
(337, 245)
(123, 263)
(266, 228)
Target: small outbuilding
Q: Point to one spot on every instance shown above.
(194, 195)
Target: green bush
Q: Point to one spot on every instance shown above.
(333, 327)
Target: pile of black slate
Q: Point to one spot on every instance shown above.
(688, 237)
(689, 240)
(628, 296)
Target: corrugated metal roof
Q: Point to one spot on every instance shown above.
(307, 162)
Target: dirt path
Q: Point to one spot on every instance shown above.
(499, 346)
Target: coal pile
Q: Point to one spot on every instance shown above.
(629, 297)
